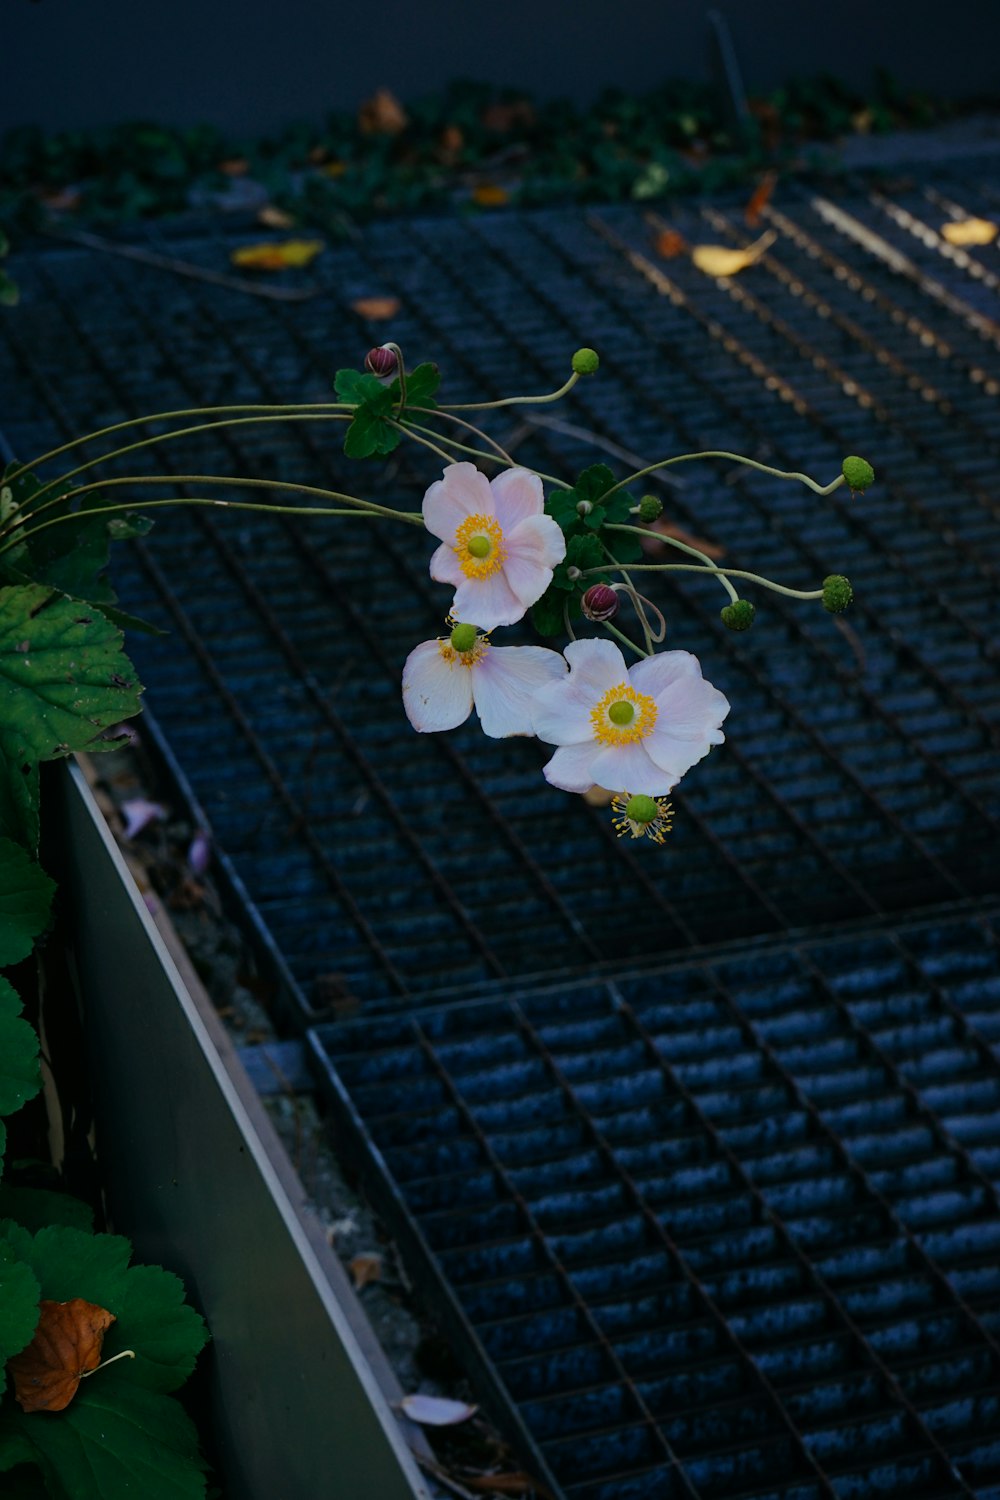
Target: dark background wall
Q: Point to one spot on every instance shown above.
(256, 64)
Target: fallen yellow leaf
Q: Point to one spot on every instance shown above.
(969, 232)
(719, 260)
(276, 255)
(382, 114)
(489, 195)
(376, 309)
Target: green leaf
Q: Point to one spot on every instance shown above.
(72, 1263)
(25, 1483)
(37, 1208)
(166, 1334)
(20, 1079)
(63, 674)
(19, 1296)
(14, 1446)
(19, 802)
(25, 899)
(547, 614)
(584, 552)
(421, 383)
(117, 1441)
(363, 390)
(593, 483)
(370, 433)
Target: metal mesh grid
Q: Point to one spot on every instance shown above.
(859, 776)
(725, 1229)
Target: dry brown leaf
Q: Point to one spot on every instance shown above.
(276, 255)
(490, 195)
(365, 1269)
(760, 198)
(382, 114)
(452, 140)
(235, 166)
(720, 260)
(670, 243)
(654, 547)
(376, 309)
(969, 232)
(67, 1344)
(275, 218)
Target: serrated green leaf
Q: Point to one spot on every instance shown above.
(19, 802)
(71, 556)
(421, 384)
(20, 1079)
(63, 674)
(547, 614)
(112, 1443)
(368, 434)
(166, 1334)
(25, 901)
(594, 482)
(583, 552)
(71, 1263)
(19, 1296)
(362, 389)
(37, 1208)
(125, 621)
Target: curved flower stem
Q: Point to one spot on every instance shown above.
(673, 541)
(280, 415)
(736, 458)
(613, 630)
(422, 434)
(169, 416)
(634, 596)
(776, 588)
(471, 427)
(514, 400)
(275, 510)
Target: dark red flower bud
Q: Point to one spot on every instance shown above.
(600, 602)
(381, 362)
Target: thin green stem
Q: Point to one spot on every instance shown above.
(515, 400)
(673, 541)
(776, 588)
(636, 605)
(736, 458)
(613, 630)
(422, 434)
(471, 427)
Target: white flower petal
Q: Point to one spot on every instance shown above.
(437, 694)
(503, 681)
(532, 551)
(676, 756)
(596, 665)
(689, 708)
(630, 768)
(562, 709)
(571, 768)
(487, 602)
(445, 566)
(517, 493)
(463, 491)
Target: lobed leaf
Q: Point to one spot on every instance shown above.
(20, 1078)
(25, 900)
(19, 1296)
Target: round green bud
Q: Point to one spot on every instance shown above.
(621, 713)
(738, 615)
(641, 809)
(585, 362)
(463, 637)
(837, 593)
(650, 507)
(584, 507)
(858, 472)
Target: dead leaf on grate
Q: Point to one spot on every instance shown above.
(969, 232)
(275, 218)
(452, 141)
(652, 545)
(277, 255)
(436, 1411)
(235, 166)
(670, 243)
(365, 1269)
(382, 114)
(376, 309)
(760, 198)
(490, 195)
(719, 260)
(66, 1346)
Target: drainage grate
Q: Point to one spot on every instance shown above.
(860, 776)
(724, 1229)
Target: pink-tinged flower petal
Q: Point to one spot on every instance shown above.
(445, 566)
(463, 492)
(437, 694)
(517, 494)
(630, 768)
(676, 756)
(657, 673)
(487, 602)
(688, 706)
(503, 682)
(139, 813)
(531, 551)
(571, 768)
(562, 709)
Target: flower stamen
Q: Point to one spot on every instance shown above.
(623, 715)
(479, 546)
(642, 817)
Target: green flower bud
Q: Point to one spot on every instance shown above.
(650, 507)
(585, 362)
(641, 809)
(859, 473)
(463, 637)
(738, 615)
(837, 593)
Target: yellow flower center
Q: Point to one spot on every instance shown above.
(479, 546)
(623, 715)
(464, 658)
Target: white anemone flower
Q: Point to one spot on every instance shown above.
(444, 680)
(498, 547)
(639, 727)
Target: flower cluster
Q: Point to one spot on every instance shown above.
(634, 730)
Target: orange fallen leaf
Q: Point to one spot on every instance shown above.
(719, 260)
(969, 232)
(275, 217)
(276, 255)
(66, 1346)
(670, 243)
(365, 1269)
(376, 309)
(652, 545)
(760, 198)
(452, 140)
(235, 166)
(382, 114)
(490, 195)
(334, 169)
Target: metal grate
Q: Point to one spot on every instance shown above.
(724, 1229)
(859, 777)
